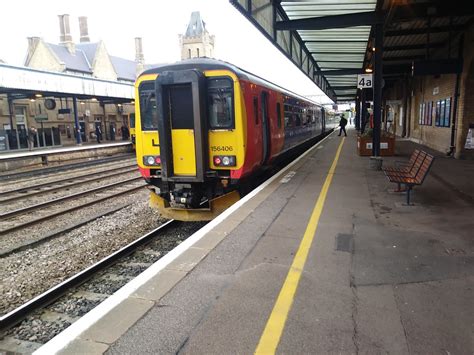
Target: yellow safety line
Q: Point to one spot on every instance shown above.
(276, 322)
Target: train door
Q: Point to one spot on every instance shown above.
(323, 120)
(265, 127)
(181, 118)
(180, 101)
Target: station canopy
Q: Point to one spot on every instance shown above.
(332, 41)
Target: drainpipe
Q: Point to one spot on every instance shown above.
(454, 123)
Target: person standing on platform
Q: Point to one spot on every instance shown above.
(32, 131)
(342, 124)
(98, 132)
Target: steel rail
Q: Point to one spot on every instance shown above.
(61, 187)
(40, 301)
(64, 198)
(45, 184)
(59, 213)
(55, 169)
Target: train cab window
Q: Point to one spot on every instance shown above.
(255, 109)
(148, 111)
(220, 103)
(278, 115)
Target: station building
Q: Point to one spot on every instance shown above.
(431, 104)
(52, 114)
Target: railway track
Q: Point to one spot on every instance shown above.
(31, 325)
(61, 211)
(60, 184)
(60, 168)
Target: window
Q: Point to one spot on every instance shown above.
(220, 103)
(148, 110)
(288, 115)
(255, 109)
(178, 107)
(20, 114)
(443, 113)
(197, 52)
(278, 115)
(189, 53)
(425, 117)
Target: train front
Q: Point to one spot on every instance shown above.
(190, 145)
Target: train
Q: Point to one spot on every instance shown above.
(205, 127)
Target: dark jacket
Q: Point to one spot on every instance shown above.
(342, 122)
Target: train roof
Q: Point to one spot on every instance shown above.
(204, 63)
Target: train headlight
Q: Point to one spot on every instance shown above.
(152, 160)
(224, 160)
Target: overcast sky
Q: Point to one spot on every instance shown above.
(159, 23)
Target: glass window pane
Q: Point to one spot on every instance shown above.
(220, 103)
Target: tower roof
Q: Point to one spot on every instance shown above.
(196, 26)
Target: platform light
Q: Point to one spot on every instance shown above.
(38, 95)
(368, 70)
(83, 103)
(373, 49)
(93, 99)
(32, 100)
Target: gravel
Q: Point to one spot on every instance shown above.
(26, 274)
(35, 329)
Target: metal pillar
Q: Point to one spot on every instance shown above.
(363, 111)
(357, 107)
(377, 89)
(76, 121)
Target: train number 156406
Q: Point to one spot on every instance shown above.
(222, 148)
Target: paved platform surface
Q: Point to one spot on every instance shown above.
(380, 277)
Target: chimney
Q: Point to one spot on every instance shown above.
(65, 31)
(32, 44)
(139, 58)
(83, 29)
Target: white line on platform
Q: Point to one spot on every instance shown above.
(61, 340)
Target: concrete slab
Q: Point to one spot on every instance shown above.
(188, 260)
(114, 324)
(84, 347)
(438, 316)
(160, 285)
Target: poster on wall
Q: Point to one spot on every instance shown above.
(469, 143)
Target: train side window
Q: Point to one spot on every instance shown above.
(255, 109)
(298, 118)
(220, 97)
(148, 111)
(278, 115)
(288, 116)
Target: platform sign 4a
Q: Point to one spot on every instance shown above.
(364, 81)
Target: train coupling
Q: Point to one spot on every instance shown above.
(216, 207)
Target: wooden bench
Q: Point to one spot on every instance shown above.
(414, 176)
(405, 166)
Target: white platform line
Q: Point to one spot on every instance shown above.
(61, 340)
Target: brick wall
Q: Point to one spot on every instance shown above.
(431, 88)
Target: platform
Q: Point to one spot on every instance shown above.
(11, 160)
(378, 277)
